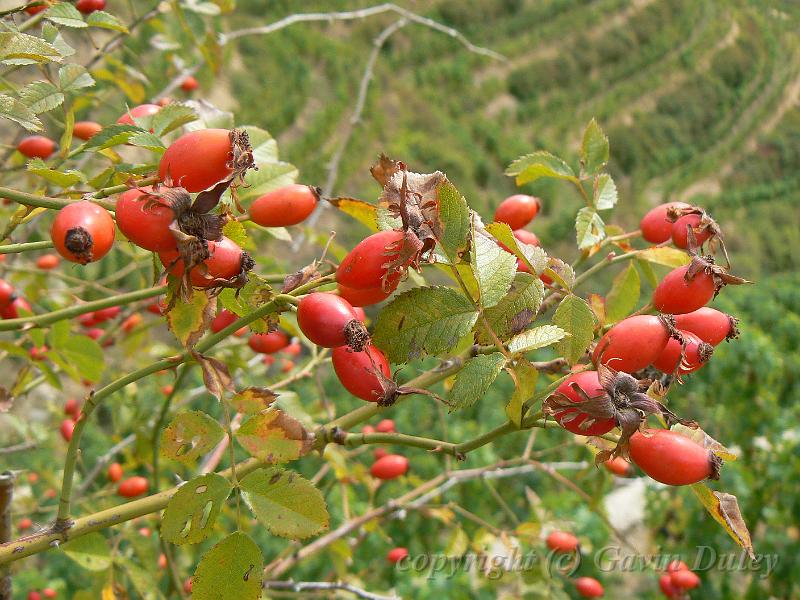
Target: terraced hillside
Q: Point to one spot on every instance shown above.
(699, 97)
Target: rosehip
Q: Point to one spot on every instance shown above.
(385, 426)
(671, 458)
(72, 408)
(527, 237)
(517, 211)
(114, 472)
(619, 467)
(390, 466)
(680, 235)
(367, 429)
(7, 293)
(187, 585)
(684, 579)
(66, 429)
(49, 593)
(198, 160)
(131, 322)
(675, 295)
(655, 226)
(189, 84)
(286, 365)
(709, 324)
(294, 349)
(37, 146)
(138, 112)
(35, 10)
(226, 260)
(357, 374)
(14, 309)
(289, 205)
(561, 541)
(395, 555)
(365, 296)
(162, 561)
(669, 590)
(83, 130)
(145, 220)
(82, 232)
(225, 318)
(588, 587)
(268, 343)
(24, 524)
(38, 352)
(34, 595)
(677, 565)
(47, 262)
(696, 354)
(380, 453)
(106, 314)
(89, 6)
(366, 265)
(632, 344)
(589, 382)
(328, 320)
(133, 486)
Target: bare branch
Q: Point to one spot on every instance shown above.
(315, 586)
(18, 447)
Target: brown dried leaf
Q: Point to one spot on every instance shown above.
(275, 437)
(216, 376)
(253, 400)
(724, 508)
(6, 400)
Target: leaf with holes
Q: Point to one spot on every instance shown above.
(536, 338)
(474, 379)
(274, 437)
(190, 435)
(190, 320)
(514, 312)
(191, 512)
(253, 400)
(363, 212)
(623, 296)
(285, 503)
(539, 164)
(493, 267)
(231, 570)
(575, 317)
(594, 148)
(427, 320)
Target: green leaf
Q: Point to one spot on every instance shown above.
(90, 551)
(589, 228)
(623, 296)
(189, 436)
(561, 272)
(427, 320)
(575, 317)
(104, 20)
(52, 35)
(455, 216)
(147, 140)
(605, 192)
(231, 570)
(535, 338)
(255, 293)
(170, 117)
(493, 267)
(265, 148)
(191, 512)
(141, 580)
(533, 256)
(537, 165)
(474, 379)
(189, 320)
(41, 96)
(363, 212)
(515, 311)
(594, 148)
(270, 176)
(234, 230)
(525, 376)
(111, 135)
(63, 179)
(285, 503)
(16, 45)
(670, 257)
(274, 437)
(74, 77)
(82, 355)
(209, 116)
(15, 110)
(253, 400)
(64, 13)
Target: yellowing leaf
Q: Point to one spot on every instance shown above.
(274, 437)
(361, 211)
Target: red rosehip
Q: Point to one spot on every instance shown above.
(356, 371)
(385, 426)
(89, 6)
(35, 10)
(268, 343)
(669, 590)
(671, 458)
(133, 486)
(360, 314)
(365, 296)
(38, 352)
(225, 318)
(83, 232)
(684, 579)
(289, 205)
(294, 349)
(83, 130)
(145, 532)
(46, 262)
(33, 478)
(380, 453)
(198, 160)
(695, 356)
(37, 146)
(588, 587)
(675, 295)
(34, 595)
(518, 210)
(367, 429)
(327, 319)
(66, 429)
(655, 226)
(395, 555)
(709, 324)
(49, 593)
(15, 308)
(268, 360)
(138, 112)
(286, 365)
(680, 234)
(677, 565)
(589, 382)
(187, 585)
(145, 219)
(632, 344)
(390, 466)
(24, 524)
(527, 237)
(226, 260)
(131, 322)
(366, 265)
(114, 472)
(72, 408)
(162, 561)
(106, 314)
(561, 541)
(189, 84)
(7, 293)
(619, 467)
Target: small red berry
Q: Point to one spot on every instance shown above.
(162, 561)
(655, 226)
(289, 205)
(7, 293)
(367, 429)
(632, 344)
(225, 318)
(589, 382)
(33, 478)
(518, 210)
(390, 466)
(669, 590)
(114, 472)
(187, 585)
(34, 595)
(365, 296)
(72, 408)
(365, 266)
(38, 352)
(675, 295)
(385, 426)
(680, 233)
(198, 160)
(24, 524)
(677, 565)
(619, 467)
(82, 232)
(268, 343)
(106, 314)
(589, 587)
(138, 112)
(67, 427)
(327, 319)
(709, 324)
(47, 262)
(671, 458)
(15, 309)
(145, 219)
(380, 453)
(696, 354)
(49, 593)
(145, 532)
(268, 360)
(561, 541)
(83, 130)
(37, 146)
(356, 371)
(89, 6)
(189, 84)
(684, 579)
(133, 486)
(294, 349)
(395, 555)
(286, 365)
(131, 322)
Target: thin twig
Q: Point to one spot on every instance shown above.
(316, 586)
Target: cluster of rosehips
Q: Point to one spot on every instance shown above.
(517, 212)
(85, 6)
(386, 465)
(563, 542)
(678, 580)
(10, 302)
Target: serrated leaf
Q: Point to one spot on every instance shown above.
(170, 117)
(64, 13)
(575, 317)
(455, 217)
(274, 437)
(561, 272)
(63, 179)
(605, 192)
(535, 338)
(623, 296)
(533, 256)
(234, 230)
(589, 228)
(41, 96)
(189, 320)
(525, 377)
(265, 148)
(190, 435)
(724, 509)
(74, 77)
(231, 570)
(594, 148)
(514, 312)
(253, 400)
(191, 512)
(427, 320)
(90, 551)
(285, 503)
(15, 110)
(493, 268)
(104, 20)
(111, 135)
(363, 212)
(537, 165)
(147, 140)
(16, 45)
(474, 379)
(670, 257)
(270, 176)
(81, 355)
